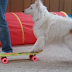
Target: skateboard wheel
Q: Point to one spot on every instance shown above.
(34, 58)
(4, 60)
(30, 56)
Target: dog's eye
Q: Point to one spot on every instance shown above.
(31, 7)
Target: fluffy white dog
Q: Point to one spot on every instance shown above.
(49, 28)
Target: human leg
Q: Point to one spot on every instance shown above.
(4, 31)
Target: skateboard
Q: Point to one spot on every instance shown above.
(32, 56)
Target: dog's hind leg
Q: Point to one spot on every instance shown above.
(38, 46)
(68, 41)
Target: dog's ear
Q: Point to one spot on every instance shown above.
(37, 0)
(38, 3)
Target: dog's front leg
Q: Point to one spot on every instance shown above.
(38, 46)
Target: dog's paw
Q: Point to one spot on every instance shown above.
(35, 50)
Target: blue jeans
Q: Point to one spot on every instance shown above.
(4, 31)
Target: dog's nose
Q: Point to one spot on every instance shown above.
(23, 11)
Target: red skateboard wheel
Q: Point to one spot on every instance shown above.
(34, 58)
(4, 60)
(30, 56)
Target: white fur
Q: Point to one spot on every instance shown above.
(49, 28)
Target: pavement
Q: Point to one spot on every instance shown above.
(53, 59)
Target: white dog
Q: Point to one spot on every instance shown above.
(49, 28)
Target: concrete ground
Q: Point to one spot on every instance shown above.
(52, 59)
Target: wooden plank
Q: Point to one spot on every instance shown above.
(61, 5)
(16, 5)
(22, 5)
(27, 3)
(32, 1)
(47, 4)
(67, 6)
(54, 5)
(8, 6)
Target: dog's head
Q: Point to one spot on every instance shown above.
(36, 10)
